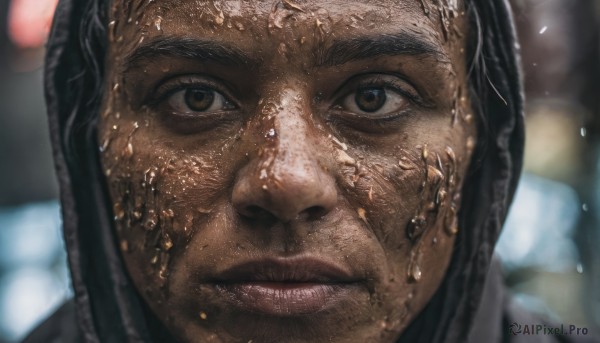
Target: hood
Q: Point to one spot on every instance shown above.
(108, 307)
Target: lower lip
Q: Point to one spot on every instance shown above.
(286, 298)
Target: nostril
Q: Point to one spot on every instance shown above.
(257, 212)
(314, 212)
(253, 211)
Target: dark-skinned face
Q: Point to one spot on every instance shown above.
(286, 171)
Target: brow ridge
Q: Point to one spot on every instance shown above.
(360, 48)
(190, 48)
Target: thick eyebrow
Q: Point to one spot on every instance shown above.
(344, 51)
(191, 48)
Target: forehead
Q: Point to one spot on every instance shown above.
(309, 24)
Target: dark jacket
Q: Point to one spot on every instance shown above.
(471, 304)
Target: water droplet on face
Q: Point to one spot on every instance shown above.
(271, 133)
(128, 150)
(343, 158)
(118, 211)
(362, 214)
(451, 221)
(404, 164)
(167, 243)
(469, 118)
(157, 23)
(104, 145)
(579, 268)
(543, 29)
(415, 227)
(414, 272)
(434, 176)
(219, 18)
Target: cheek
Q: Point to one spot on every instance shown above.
(161, 196)
(410, 202)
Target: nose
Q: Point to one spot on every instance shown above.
(286, 180)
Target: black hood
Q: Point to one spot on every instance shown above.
(107, 305)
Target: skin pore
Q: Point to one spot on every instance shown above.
(286, 171)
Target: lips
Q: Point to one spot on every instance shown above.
(286, 286)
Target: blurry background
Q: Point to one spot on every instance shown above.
(550, 247)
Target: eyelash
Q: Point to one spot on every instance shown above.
(336, 113)
(381, 82)
(166, 90)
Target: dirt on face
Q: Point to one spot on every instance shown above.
(286, 170)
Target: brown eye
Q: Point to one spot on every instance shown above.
(374, 102)
(370, 99)
(199, 99)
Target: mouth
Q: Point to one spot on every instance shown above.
(287, 286)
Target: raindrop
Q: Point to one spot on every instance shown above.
(263, 174)
(338, 142)
(416, 227)
(584, 207)
(414, 272)
(583, 132)
(271, 133)
(118, 211)
(167, 243)
(362, 214)
(128, 150)
(404, 164)
(543, 30)
(104, 145)
(579, 268)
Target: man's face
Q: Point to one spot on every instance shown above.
(286, 171)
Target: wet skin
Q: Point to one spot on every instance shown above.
(286, 171)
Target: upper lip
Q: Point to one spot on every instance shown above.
(293, 269)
